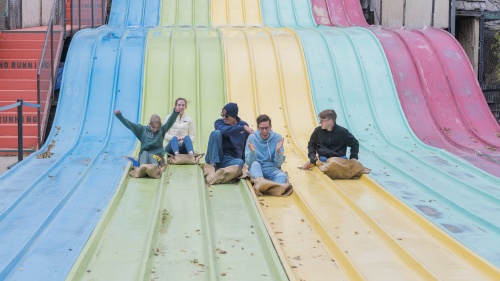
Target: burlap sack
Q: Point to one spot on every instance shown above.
(150, 170)
(222, 175)
(340, 168)
(268, 187)
(184, 159)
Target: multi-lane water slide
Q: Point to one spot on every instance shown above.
(347, 229)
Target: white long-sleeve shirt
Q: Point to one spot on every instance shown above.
(184, 125)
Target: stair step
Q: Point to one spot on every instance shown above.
(14, 95)
(20, 54)
(17, 84)
(21, 44)
(23, 35)
(10, 129)
(19, 63)
(18, 73)
(10, 142)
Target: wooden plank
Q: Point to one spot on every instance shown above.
(31, 13)
(418, 13)
(392, 13)
(469, 39)
(441, 14)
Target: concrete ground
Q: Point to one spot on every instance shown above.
(6, 161)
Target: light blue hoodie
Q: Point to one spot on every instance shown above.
(265, 151)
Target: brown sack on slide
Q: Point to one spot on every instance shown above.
(150, 170)
(268, 187)
(222, 175)
(340, 168)
(184, 159)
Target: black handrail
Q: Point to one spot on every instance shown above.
(19, 104)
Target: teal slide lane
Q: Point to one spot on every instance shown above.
(356, 81)
(289, 13)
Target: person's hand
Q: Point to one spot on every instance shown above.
(117, 112)
(177, 109)
(251, 145)
(307, 166)
(279, 145)
(248, 129)
(180, 139)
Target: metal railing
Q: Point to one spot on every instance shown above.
(46, 74)
(86, 13)
(83, 14)
(20, 150)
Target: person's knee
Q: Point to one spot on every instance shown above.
(255, 166)
(215, 134)
(239, 162)
(281, 178)
(187, 138)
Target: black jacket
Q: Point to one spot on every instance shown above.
(332, 144)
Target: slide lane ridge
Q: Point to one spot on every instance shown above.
(185, 13)
(454, 195)
(134, 13)
(237, 13)
(290, 13)
(63, 204)
(182, 229)
(329, 229)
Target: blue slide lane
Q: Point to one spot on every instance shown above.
(357, 82)
(50, 205)
(44, 229)
(133, 13)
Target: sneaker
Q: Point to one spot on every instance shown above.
(191, 153)
(134, 161)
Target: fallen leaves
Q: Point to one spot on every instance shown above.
(222, 252)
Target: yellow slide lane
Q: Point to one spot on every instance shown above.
(236, 13)
(333, 229)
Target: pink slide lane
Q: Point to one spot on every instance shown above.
(436, 84)
(432, 104)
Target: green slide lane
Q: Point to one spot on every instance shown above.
(185, 13)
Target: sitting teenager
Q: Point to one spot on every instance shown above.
(330, 140)
(226, 143)
(181, 135)
(151, 138)
(264, 155)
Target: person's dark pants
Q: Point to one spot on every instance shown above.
(215, 155)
